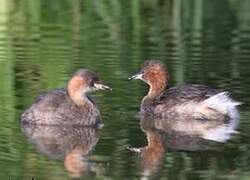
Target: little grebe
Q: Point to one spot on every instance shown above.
(70, 106)
(194, 108)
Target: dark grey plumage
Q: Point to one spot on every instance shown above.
(185, 93)
(57, 108)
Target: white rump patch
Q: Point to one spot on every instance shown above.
(224, 104)
(221, 102)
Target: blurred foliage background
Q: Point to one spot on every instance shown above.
(43, 42)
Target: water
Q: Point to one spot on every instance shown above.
(43, 42)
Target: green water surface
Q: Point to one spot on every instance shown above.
(42, 42)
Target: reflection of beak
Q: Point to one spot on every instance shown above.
(136, 76)
(99, 86)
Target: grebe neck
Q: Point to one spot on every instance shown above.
(154, 92)
(80, 99)
(78, 96)
(156, 88)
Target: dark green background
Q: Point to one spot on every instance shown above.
(42, 42)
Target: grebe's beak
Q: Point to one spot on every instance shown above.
(100, 86)
(136, 76)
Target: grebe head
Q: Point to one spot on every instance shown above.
(154, 74)
(82, 82)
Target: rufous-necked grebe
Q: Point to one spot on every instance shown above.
(194, 108)
(70, 106)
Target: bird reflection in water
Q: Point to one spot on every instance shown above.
(160, 140)
(73, 144)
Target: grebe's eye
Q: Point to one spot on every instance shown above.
(142, 71)
(92, 83)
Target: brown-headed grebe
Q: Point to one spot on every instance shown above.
(194, 108)
(70, 106)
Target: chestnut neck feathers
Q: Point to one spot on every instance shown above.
(156, 76)
(79, 85)
(74, 90)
